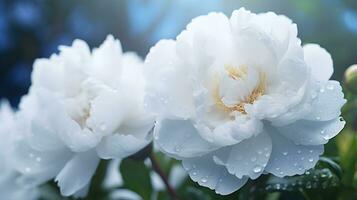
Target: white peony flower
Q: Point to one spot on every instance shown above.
(238, 97)
(12, 187)
(82, 106)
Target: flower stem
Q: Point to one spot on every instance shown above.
(160, 172)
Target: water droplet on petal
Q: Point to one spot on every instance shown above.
(204, 180)
(253, 159)
(326, 137)
(318, 118)
(330, 87)
(257, 169)
(38, 159)
(322, 90)
(285, 153)
(311, 160)
(322, 131)
(299, 151)
(177, 149)
(27, 169)
(103, 127)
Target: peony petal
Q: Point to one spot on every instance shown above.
(179, 138)
(206, 173)
(319, 60)
(107, 112)
(42, 138)
(169, 92)
(77, 173)
(312, 132)
(288, 159)
(120, 146)
(82, 192)
(328, 102)
(43, 166)
(247, 158)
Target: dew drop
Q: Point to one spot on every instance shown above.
(27, 169)
(299, 151)
(253, 159)
(326, 137)
(311, 151)
(204, 180)
(322, 132)
(285, 153)
(259, 152)
(31, 155)
(103, 127)
(330, 87)
(38, 159)
(295, 164)
(281, 173)
(277, 169)
(311, 160)
(318, 118)
(313, 95)
(194, 173)
(267, 155)
(257, 169)
(177, 149)
(322, 90)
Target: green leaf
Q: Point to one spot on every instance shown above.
(136, 177)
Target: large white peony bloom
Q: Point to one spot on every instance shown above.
(237, 97)
(82, 106)
(12, 184)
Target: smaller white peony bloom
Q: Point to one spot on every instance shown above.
(238, 97)
(12, 184)
(82, 106)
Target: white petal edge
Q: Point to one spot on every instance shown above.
(77, 173)
(319, 61)
(206, 173)
(180, 139)
(327, 103)
(288, 159)
(119, 146)
(247, 158)
(305, 132)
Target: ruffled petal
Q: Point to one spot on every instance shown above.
(77, 173)
(288, 159)
(179, 138)
(312, 132)
(169, 90)
(206, 173)
(120, 146)
(319, 61)
(328, 102)
(41, 165)
(107, 112)
(247, 158)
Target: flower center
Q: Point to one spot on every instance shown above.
(246, 77)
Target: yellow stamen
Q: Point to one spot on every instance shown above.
(256, 93)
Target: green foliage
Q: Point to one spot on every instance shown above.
(136, 177)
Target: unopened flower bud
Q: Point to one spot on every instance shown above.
(351, 78)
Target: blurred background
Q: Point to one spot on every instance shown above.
(30, 29)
